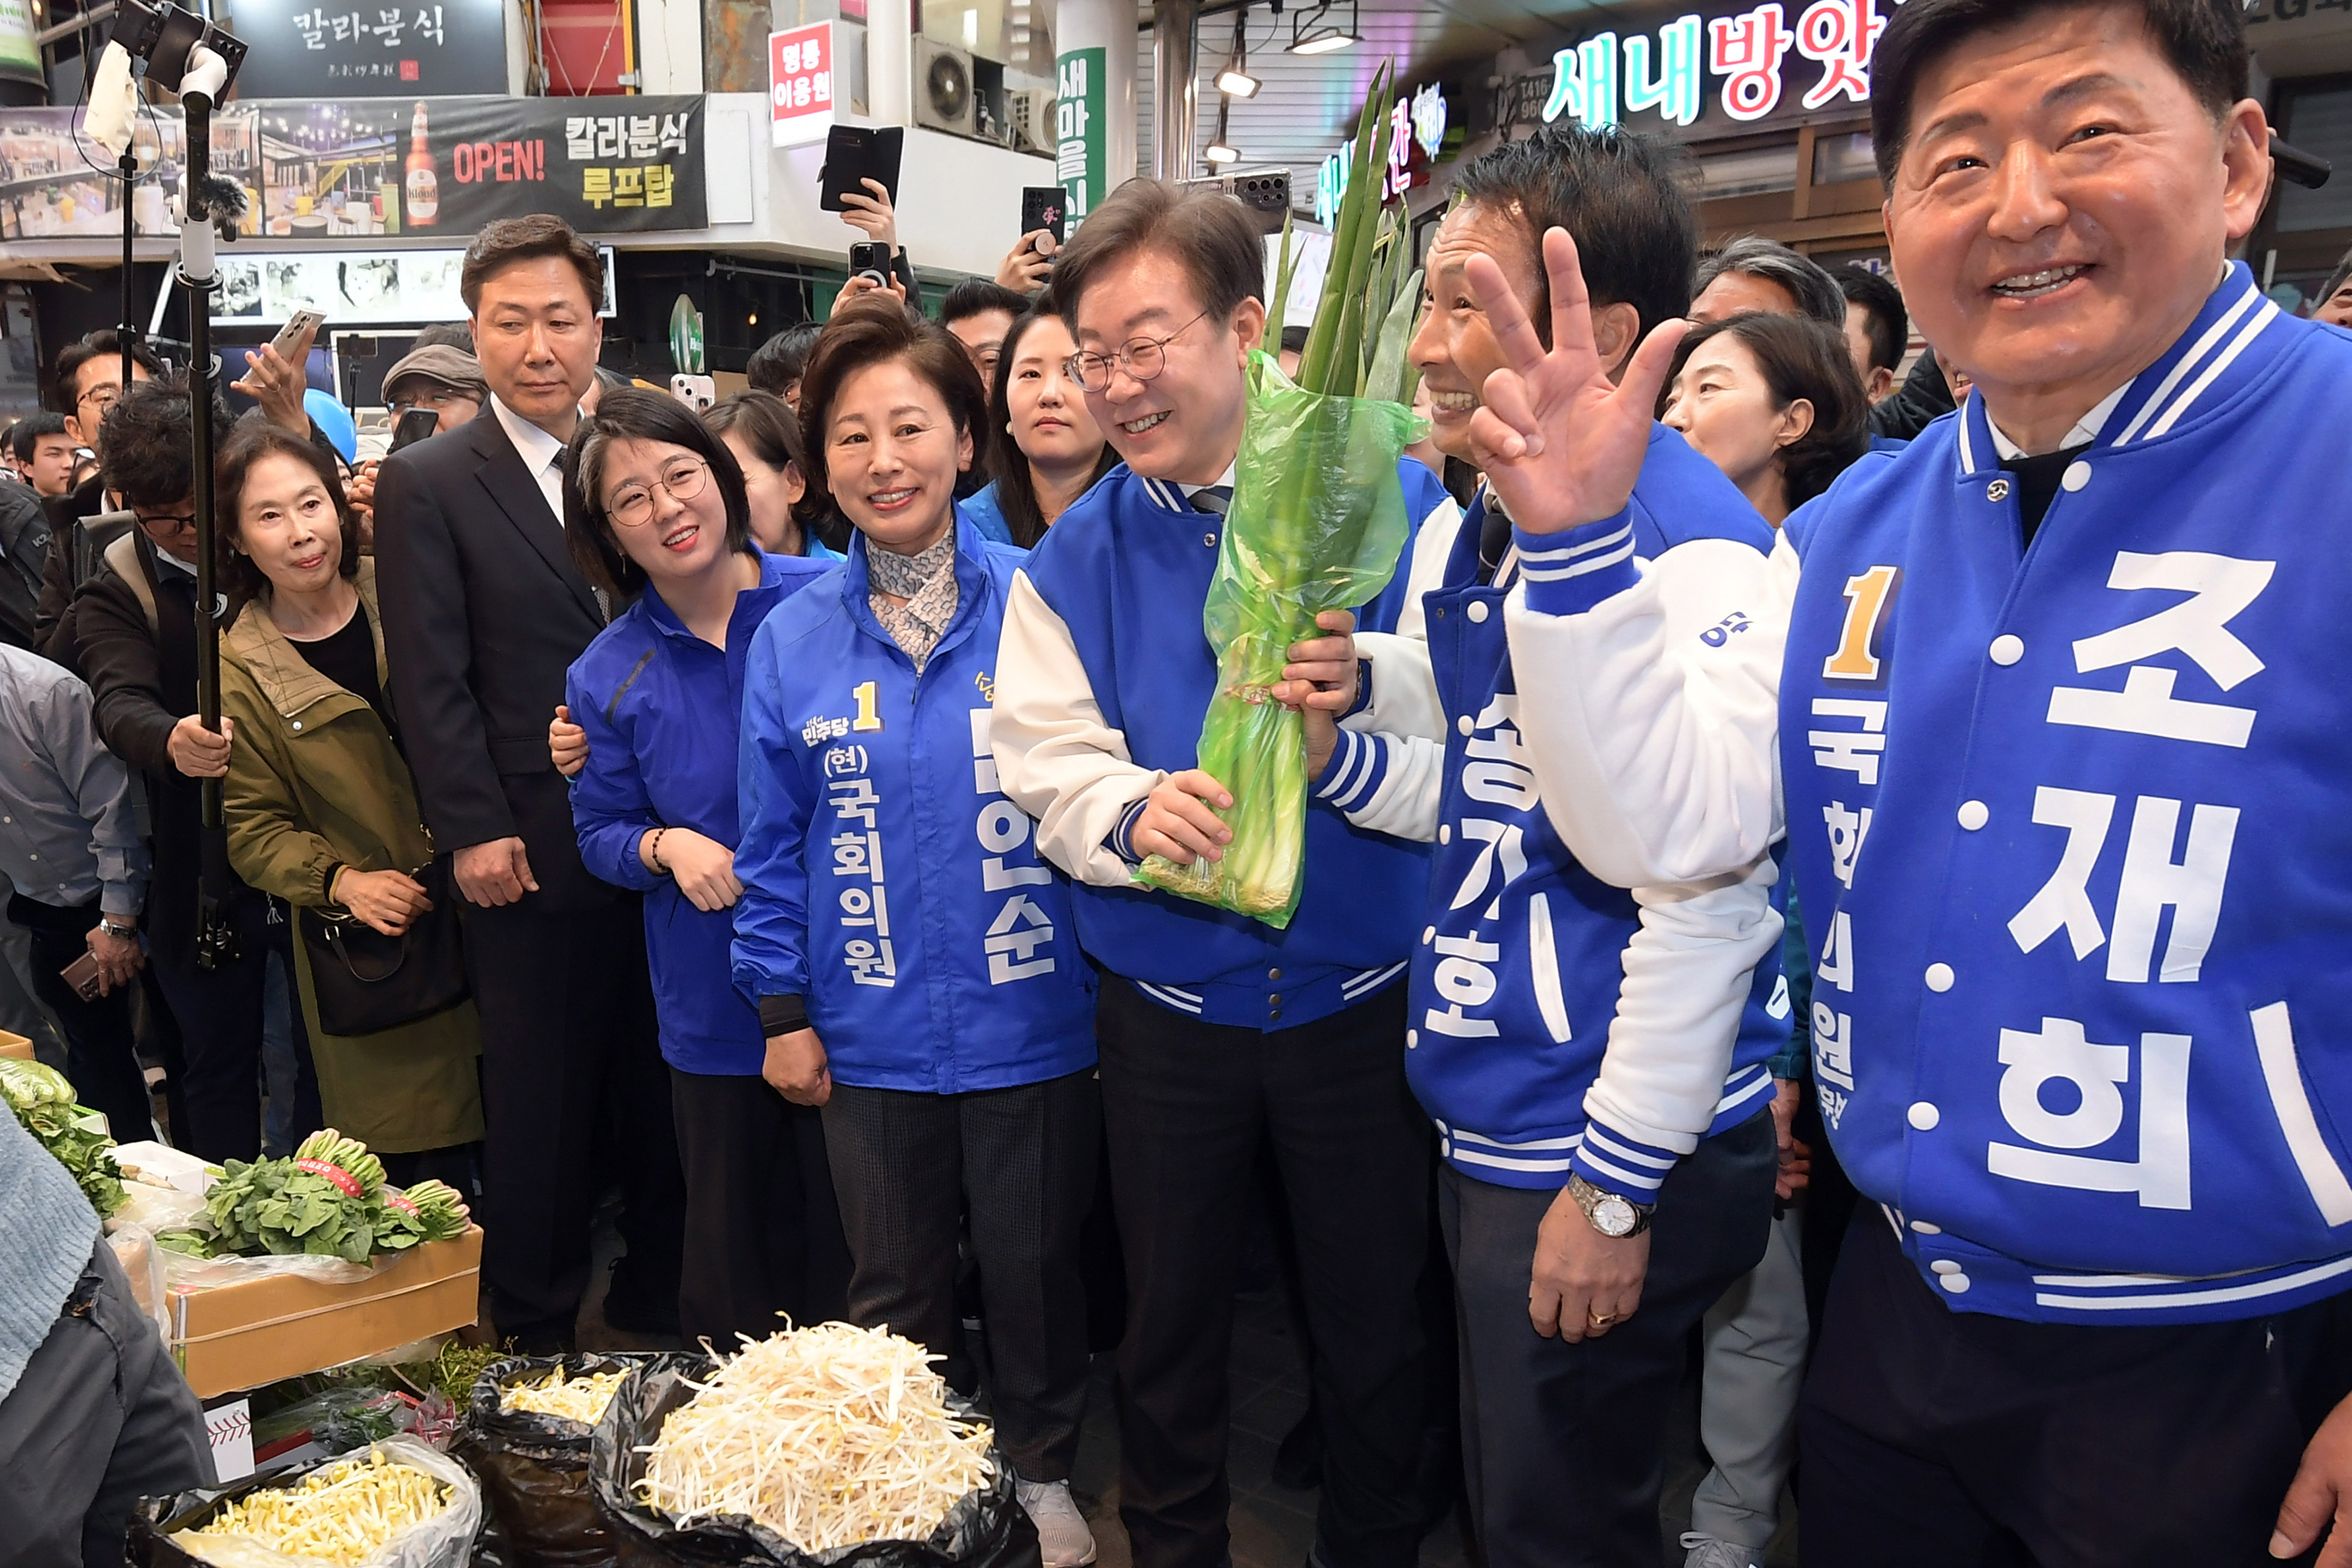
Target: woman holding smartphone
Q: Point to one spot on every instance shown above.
(655, 508)
(915, 963)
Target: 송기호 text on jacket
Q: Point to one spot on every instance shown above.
(887, 882)
(1557, 1023)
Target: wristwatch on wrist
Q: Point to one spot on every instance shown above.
(1611, 1215)
(106, 923)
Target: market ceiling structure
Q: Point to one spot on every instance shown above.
(1307, 104)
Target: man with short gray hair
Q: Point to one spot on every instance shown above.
(1753, 273)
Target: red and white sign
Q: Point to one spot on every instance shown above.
(801, 84)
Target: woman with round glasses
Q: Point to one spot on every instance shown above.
(654, 507)
(916, 964)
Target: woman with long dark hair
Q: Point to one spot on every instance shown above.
(654, 507)
(1772, 401)
(321, 808)
(1056, 451)
(915, 962)
(764, 434)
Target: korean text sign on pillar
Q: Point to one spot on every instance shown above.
(1079, 131)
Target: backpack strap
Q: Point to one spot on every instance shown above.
(123, 558)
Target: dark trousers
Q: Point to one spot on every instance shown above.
(568, 1032)
(101, 1053)
(1563, 1445)
(762, 1230)
(1185, 1104)
(218, 1011)
(99, 1419)
(1020, 1162)
(1944, 1439)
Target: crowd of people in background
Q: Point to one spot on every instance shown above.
(757, 794)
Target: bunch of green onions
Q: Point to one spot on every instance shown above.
(1317, 523)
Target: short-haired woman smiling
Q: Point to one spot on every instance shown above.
(655, 505)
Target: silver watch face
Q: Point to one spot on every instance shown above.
(1612, 1215)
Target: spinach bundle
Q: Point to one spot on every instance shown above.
(328, 1201)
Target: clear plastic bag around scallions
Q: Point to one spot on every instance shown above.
(1317, 522)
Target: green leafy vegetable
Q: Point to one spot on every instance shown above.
(1317, 522)
(44, 1102)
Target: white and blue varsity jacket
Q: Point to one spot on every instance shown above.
(1556, 1023)
(1103, 676)
(2072, 823)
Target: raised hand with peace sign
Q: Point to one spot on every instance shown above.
(1562, 444)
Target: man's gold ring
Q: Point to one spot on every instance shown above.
(1600, 1320)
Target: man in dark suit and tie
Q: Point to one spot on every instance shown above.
(483, 613)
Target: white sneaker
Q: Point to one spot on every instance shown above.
(1063, 1537)
(1709, 1551)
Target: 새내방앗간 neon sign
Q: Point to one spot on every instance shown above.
(1667, 70)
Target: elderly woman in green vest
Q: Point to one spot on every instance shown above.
(322, 810)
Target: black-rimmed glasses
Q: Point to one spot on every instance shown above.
(1142, 358)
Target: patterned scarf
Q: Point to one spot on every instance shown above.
(927, 583)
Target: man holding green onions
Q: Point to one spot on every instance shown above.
(1216, 1031)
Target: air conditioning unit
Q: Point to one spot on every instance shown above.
(1030, 111)
(944, 97)
(1265, 192)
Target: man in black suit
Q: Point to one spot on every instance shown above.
(483, 613)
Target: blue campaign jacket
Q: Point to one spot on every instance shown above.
(1126, 572)
(887, 881)
(1513, 919)
(659, 706)
(2073, 824)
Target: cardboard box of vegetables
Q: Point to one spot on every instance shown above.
(1317, 522)
(304, 1263)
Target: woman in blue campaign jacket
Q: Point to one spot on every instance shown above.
(916, 964)
(655, 506)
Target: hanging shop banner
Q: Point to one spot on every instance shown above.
(1778, 58)
(20, 57)
(1080, 131)
(1415, 137)
(371, 48)
(800, 84)
(425, 167)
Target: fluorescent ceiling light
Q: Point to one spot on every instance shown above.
(1237, 84)
(1325, 41)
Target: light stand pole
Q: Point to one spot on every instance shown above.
(128, 331)
(187, 54)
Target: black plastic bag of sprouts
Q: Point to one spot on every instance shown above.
(534, 1467)
(985, 1528)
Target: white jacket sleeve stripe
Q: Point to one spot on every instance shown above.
(1688, 971)
(1055, 757)
(1657, 749)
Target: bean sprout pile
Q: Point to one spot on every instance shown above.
(581, 1399)
(829, 1436)
(340, 1515)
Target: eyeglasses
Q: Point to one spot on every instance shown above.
(165, 524)
(1142, 358)
(102, 397)
(633, 507)
(433, 397)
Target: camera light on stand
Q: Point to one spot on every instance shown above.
(1237, 84)
(1218, 154)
